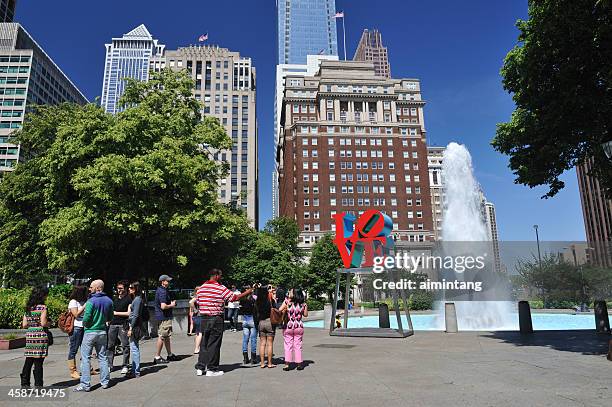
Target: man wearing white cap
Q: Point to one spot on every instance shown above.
(163, 315)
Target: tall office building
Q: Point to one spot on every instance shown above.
(127, 57)
(597, 213)
(434, 164)
(371, 48)
(28, 76)
(305, 27)
(310, 68)
(353, 141)
(488, 213)
(7, 10)
(225, 83)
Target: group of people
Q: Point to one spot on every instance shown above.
(256, 305)
(102, 324)
(99, 324)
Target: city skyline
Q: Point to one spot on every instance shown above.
(465, 100)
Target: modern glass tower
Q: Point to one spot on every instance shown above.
(7, 10)
(305, 27)
(28, 76)
(127, 57)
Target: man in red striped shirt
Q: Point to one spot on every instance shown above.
(212, 297)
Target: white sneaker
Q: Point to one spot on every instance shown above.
(125, 370)
(214, 373)
(199, 372)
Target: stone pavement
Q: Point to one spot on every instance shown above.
(428, 369)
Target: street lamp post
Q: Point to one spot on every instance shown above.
(538, 243)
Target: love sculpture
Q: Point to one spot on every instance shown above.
(359, 240)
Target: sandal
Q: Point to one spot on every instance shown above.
(263, 366)
(271, 366)
(287, 368)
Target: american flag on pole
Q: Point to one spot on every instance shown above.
(203, 37)
(339, 14)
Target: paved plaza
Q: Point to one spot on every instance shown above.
(428, 369)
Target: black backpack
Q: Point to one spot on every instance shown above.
(144, 311)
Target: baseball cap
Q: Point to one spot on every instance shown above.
(165, 277)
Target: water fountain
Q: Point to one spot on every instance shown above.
(463, 223)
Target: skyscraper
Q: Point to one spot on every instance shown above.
(353, 141)
(305, 27)
(597, 213)
(28, 77)
(310, 68)
(371, 48)
(127, 57)
(7, 10)
(435, 155)
(225, 83)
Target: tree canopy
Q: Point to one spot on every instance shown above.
(560, 77)
(131, 195)
(324, 261)
(556, 281)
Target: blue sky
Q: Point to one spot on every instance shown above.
(455, 48)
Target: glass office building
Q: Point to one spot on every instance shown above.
(127, 57)
(305, 27)
(28, 76)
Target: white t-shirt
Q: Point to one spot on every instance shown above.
(235, 304)
(75, 304)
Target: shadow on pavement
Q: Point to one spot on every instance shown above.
(586, 342)
(145, 369)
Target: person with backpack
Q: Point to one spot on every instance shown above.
(72, 324)
(136, 310)
(37, 341)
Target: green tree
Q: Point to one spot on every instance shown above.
(286, 232)
(560, 77)
(559, 282)
(321, 270)
(270, 256)
(132, 195)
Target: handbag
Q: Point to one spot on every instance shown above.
(276, 317)
(49, 336)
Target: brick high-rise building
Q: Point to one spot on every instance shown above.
(597, 213)
(225, 83)
(351, 141)
(371, 48)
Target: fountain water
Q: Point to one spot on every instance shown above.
(463, 222)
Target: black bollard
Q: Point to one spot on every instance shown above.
(383, 316)
(602, 321)
(525, 324)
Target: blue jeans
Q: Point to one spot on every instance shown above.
(248, 329)
(75, 341)
(94, 340)
(232, 315)
(135, 351)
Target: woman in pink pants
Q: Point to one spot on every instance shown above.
(296, 308)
